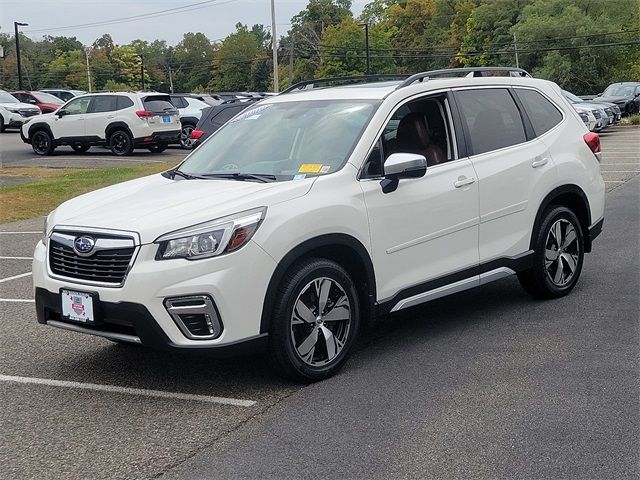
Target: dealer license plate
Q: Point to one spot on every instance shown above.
(77, 306)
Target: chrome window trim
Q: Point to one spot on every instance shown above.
(128, 236)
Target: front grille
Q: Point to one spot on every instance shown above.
(28, 113)
(104, 266)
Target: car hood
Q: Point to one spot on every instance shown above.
(592, 106)
(155, 205)
(616, 100)
(20, 105)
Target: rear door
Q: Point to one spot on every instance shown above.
(102, 111)
(513, 168)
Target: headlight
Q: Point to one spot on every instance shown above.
(210, 239)
(13, 109)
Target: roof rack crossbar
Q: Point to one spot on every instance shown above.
(476, 71)
(344, 80)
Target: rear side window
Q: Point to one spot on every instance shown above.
(179, 102)
(492, 119)
(123, 102)
(542, 113)
(158, 104)
(103, 103)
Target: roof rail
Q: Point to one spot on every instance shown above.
(470, 71)
(344, 80)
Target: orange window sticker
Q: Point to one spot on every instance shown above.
(310, 168)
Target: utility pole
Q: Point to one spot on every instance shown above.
(515, 47)
(18, 62)
(291, 61)
(142, 72)
(170, 79)
(86, 56)
(366, 43)
(274, 44)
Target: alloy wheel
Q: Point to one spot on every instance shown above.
(562, 252)
(40, 142)
(320, 322)
(119, 142)
(185, 136)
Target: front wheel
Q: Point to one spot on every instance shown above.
(316, 321)
(42, 143)
(185, 136)
(558, 257)
(121, 143)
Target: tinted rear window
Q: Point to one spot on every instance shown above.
(158, 104)
(543, 115)
(492, 119)
(123, 102)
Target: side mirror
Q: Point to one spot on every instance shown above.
(599, 95)
(402, 165)
(61, 113)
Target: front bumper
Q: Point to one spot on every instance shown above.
(236, 282)
(15, 119)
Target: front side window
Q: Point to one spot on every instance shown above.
(542, 113)
(492, 119)
(420, 126)
(78, 106)
(285, 140)
(103, 103)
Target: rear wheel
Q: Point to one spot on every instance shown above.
(80, 147)
(42, 143)
(121, 143)
(633, 108)
(558, 257)
(158, 148)
(316, 321)
(185, 136)
(1, 124)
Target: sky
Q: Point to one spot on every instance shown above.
(216, 20)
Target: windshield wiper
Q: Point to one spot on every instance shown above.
(186, 176)
(263, 178)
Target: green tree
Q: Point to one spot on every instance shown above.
(234, 60)
(191, 60)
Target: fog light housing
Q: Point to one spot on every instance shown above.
(196, 316)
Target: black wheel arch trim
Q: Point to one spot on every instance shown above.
(193, 121)
(298, 253)
(553, 195)
(116, 126)
(40, 126)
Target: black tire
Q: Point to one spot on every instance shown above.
(288, 329)
(556, 266)
(633, 108)
(158, 148)
(42, 143)
(185, 136)
(121, 143)
(80, 147)
(1, 124)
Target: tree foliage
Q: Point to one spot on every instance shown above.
(562, 40)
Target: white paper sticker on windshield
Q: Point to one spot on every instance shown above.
(250, 114)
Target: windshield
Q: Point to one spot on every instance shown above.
(618, 91)
(571, 97)
(6, 97)
(284, 140)
(47, 98)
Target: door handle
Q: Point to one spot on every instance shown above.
(539, 162)
(463, 181)
(111, 116)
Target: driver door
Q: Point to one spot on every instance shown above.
(427, 229)
(72, 124)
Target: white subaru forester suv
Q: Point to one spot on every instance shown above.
(314, 211)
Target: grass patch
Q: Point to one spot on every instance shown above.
(50, 187)
(631, 120)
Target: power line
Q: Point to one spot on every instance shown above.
(160, 13)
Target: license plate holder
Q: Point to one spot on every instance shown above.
(78, 306)
(166, 119)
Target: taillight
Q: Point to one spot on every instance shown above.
(196, 134)
(144, 113)
(593, 142)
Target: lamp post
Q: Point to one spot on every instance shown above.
(19, 63)
(274, 44)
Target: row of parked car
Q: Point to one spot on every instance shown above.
(121, 121)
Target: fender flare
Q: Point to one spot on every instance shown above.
(189, 121)
(297, 253)
(116, 126)
(40, 126)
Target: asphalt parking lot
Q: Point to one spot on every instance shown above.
(484, 384)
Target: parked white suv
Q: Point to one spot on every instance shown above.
(310, 213)
(190, 110)
(13, 113)
(120, 120)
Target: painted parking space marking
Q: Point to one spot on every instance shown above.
(15, 277)
(20, 233)
(128, 391)
(16, 258)
(17, 300)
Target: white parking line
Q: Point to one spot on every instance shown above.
(615, 181)
(128, 391)
(21, 233)
(17, 300)
(16, 258)
(15, 277)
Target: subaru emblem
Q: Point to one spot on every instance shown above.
(84, 245)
